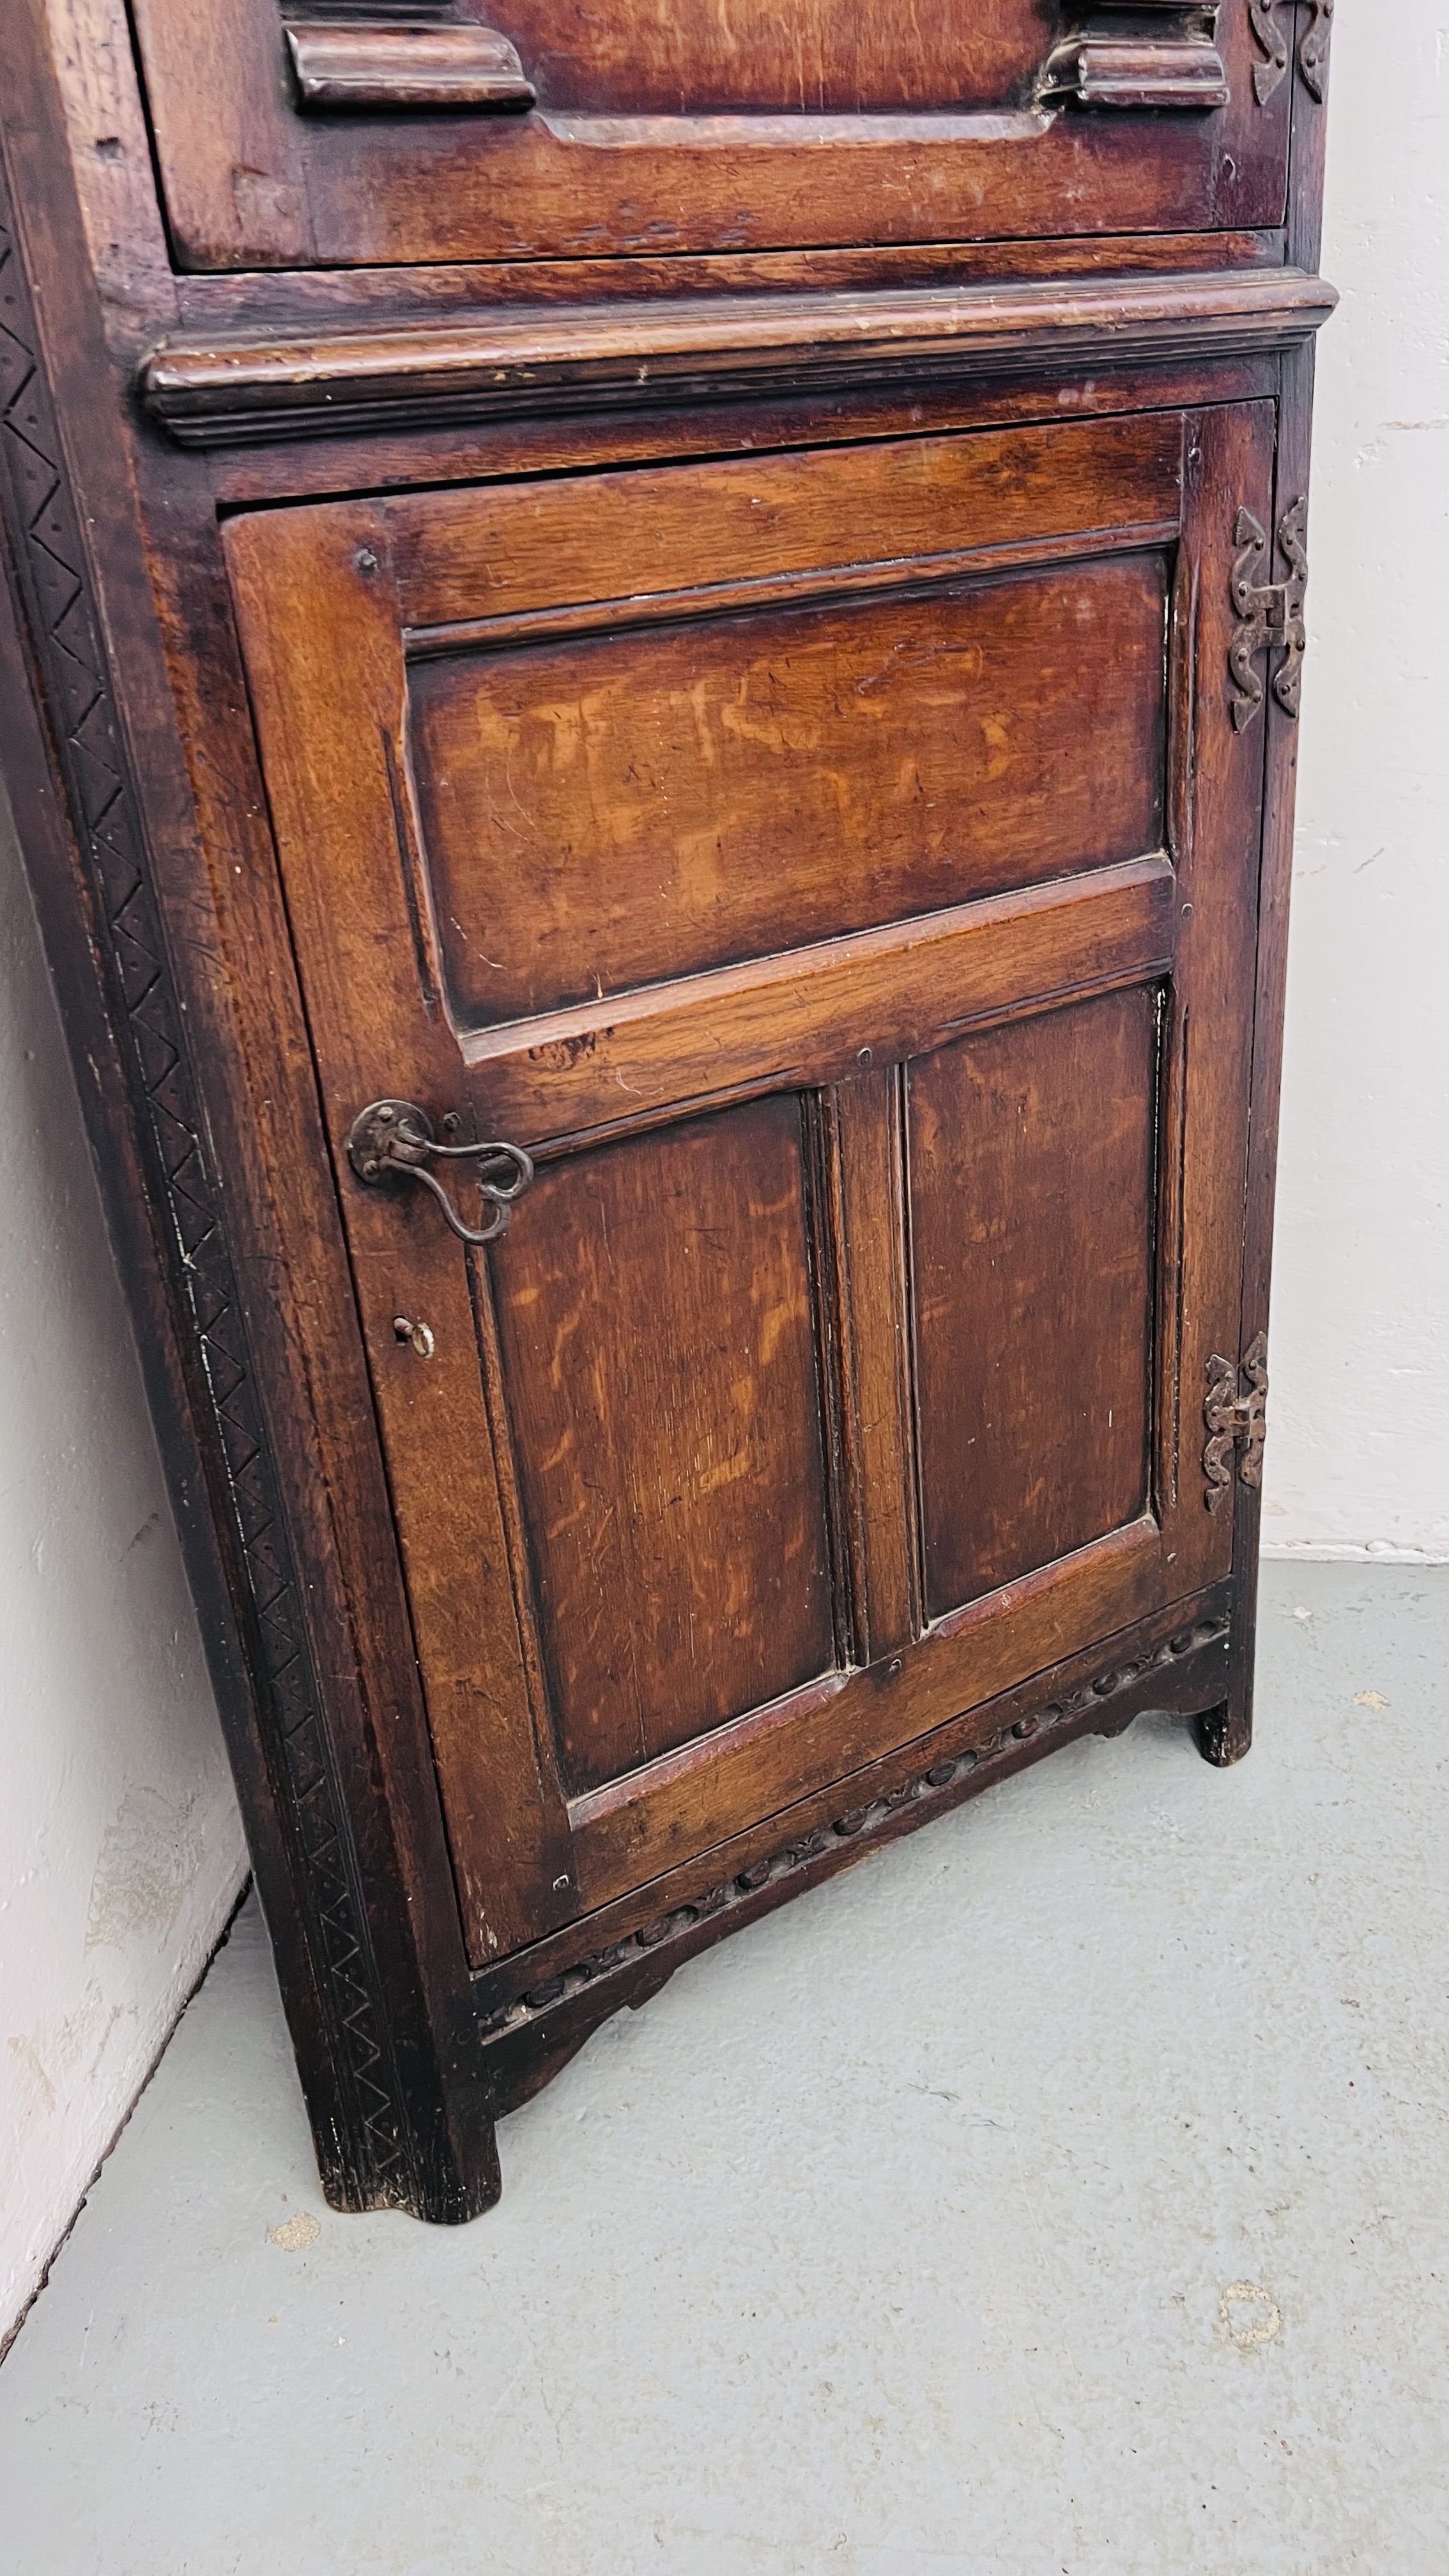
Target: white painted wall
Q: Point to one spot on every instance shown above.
(120, 1849)
(1358, 1453)
(120, 1844)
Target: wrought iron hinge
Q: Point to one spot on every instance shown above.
(1269, 614)
(1235, 1421)
(1312, 49)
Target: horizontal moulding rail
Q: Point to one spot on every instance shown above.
(545, 361)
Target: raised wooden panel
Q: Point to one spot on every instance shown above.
(664, 129)
(657, 1330)
(614, 811)
(689, 1800)
(1031, 1164)
(822, 57)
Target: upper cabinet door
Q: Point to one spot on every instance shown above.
(348, 130)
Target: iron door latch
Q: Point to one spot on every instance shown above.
(394, 1140)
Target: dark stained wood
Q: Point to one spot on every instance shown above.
(868, 1211)
(1218, 866)
(1171, 1639)
(1031, 1197)
(656, 134)
(826, 56)
(493, 367)
(812, 1015)
(649, 1821)
(795, 654)
(1227, 1733)
(312, 1664)
(1159, 57)
(392, 571)
(333, 468)
(434, 605)
(298, 301)
(342, 70)
(466, 559)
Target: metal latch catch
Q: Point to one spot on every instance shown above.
(393, 1140)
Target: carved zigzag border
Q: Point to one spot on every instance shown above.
(51, 559)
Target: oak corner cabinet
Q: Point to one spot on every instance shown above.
(653, 663)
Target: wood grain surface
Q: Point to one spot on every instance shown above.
(685, 625)
(830, 903)
(659, 1337)
(1032, 1180)
(668, 131)
(495, 365)
(631, 808)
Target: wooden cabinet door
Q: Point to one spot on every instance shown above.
(839, 872)
(663, 127)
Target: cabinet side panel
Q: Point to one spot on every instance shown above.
(381, 2125)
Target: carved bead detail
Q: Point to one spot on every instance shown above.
(856, 1824)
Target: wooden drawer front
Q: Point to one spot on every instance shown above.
(839, 871)
(664, 129)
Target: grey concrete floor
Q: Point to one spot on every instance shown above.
(1062, 2190)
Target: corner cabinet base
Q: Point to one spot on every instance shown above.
(525, 2044)
(1178, 1674)
(665, 837)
